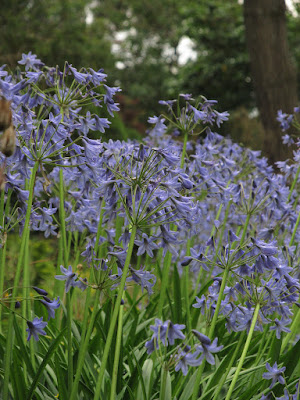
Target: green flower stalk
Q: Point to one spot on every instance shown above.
(211, 331)
(164, 282)
(244, 353)
(2, 251)
(293, 184)
(66, 258)
(117, 354)
(296, 320)
(87, 328)
(233, 358)
(24, 243)
(115, 315)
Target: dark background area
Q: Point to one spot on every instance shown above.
(140, 46)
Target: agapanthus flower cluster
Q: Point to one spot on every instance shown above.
(187, 115)
(49, 114)
(172, 200)
(184, 355)
(258, 275)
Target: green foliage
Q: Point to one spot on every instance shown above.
(56, 31)
(222, 68)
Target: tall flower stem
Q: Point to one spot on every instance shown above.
(183, 149)
(62, 217)
(218, 306)
(2, 265)
(245, 228)
(186, 290)
(87, 326)
(168, 259)
(119, 224)
(58, 287)
(24, 242)
(261, 350)
(2, 251)
(294, 329)
(164, 282)
(296, 320)
(115, 315)
(211, 331)
(222, 230)
(243, 356)
(117, 355)
(83, 348)
(220, 241)
(25, 289)
(295, 230)
(224, 376)
(65, 258)
(294, 183)
(25, 310)
(88, 295)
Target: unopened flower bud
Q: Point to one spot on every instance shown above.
(8, 141)
(5, 114)
(17, 304)
(203, 338)
(186, 261)
(40, 291)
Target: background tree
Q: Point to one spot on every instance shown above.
(272, 68)
(56, 31)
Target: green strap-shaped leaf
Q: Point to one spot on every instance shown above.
(60, 374)
(23, 349)
(45, 361)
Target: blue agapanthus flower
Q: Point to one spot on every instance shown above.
(186, 358)
(207, 347)
(275, 374)
(50, 305)
(164, 332)
(69, 276)
(35, 328)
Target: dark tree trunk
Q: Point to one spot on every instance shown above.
(273, 71)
